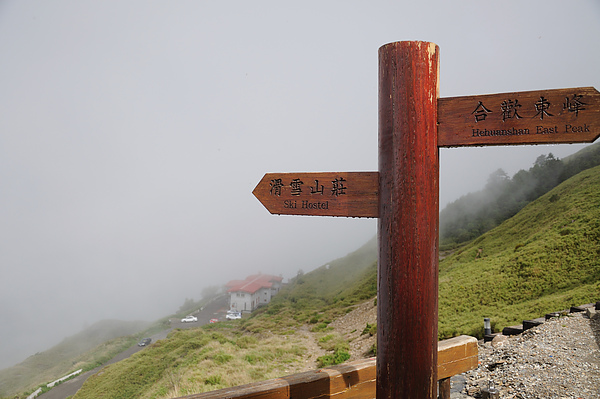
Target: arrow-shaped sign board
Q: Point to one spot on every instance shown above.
(348, 194)
(410, 70)
(527, 117)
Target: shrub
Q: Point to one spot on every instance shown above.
(222, 358)
(246, 341)
(370, 329)
(373, 351)
(338, 356)
(321, 327)
(326, 338)
(324, 361)
(213, 380)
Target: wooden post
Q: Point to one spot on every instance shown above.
(408, 221)
(445, 387)
(404, 194)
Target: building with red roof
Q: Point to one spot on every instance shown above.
(254, 291)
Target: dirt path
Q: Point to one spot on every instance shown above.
(351, 326)
(313, 350)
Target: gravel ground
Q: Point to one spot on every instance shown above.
(352, 325)
(558, 359)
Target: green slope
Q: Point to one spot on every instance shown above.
(546, 258)
(323, 294)
(503, 197)
(344, 281)
(87, 349)
(237, 352)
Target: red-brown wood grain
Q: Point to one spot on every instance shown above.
(408, 221)
(349, 194)
(527, 117)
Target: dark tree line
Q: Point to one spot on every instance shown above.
(475, 213)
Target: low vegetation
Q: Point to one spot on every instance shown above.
(86, 350)
(503, 197)
(196, 360)
(327, 292)
(264, 346)
(546, 258)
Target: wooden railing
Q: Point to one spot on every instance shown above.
(352, 380)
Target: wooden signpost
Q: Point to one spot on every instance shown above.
(404, 194)
(350, 194)
(529, 117)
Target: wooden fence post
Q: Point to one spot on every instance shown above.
(408, 221)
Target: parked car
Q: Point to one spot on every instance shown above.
(145, 342)
(213, 320)
(189, 319)
(233, 315)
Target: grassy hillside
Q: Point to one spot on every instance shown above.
(87, 349)
(196, 360)
(267, 345)
(503, 197)
(546, 258)
(338, 284)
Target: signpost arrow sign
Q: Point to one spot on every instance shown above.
(408, 170)
(349, 194)
(528, 117)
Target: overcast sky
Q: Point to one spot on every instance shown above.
(132, 134)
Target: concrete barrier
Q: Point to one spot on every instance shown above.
(50, 385)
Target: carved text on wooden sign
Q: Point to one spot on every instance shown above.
(528, 117)
(350, 194)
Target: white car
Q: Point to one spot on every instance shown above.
(233, 315)
(189, 319)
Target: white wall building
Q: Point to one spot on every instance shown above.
(254, 291)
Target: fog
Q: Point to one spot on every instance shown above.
(132, 134)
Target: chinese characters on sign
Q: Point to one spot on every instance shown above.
(535, 117)
(509, 108)
(574, 105)
(548, 116)
(481, 112)
(351, 194)
(276, 185)
(337, 187)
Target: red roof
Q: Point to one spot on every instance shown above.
(253, 283)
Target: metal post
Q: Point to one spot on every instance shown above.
(408, 221)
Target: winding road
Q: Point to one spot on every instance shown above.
(213, 310)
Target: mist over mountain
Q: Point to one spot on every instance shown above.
(503, 197)
(543, 259)
(69, 354)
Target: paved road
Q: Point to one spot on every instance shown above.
(214, 310)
